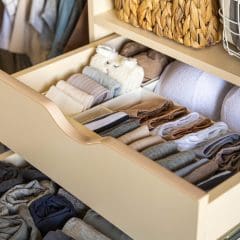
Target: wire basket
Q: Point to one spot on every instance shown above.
(230, 18)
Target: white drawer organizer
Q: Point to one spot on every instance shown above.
(142, 198)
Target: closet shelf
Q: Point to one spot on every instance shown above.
(214, 59)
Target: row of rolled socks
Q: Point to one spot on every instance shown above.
(32, 207)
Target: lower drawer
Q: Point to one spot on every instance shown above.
(140, 197)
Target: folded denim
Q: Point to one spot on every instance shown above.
(146, 142)
(182, 172)
(215, 180)
(106, 122)
(66, 103)
(89, 86)
(193, 140)
(79, 206)
(177, 160)
(79, 230)
(51, 212)
(30, 173)
(77, 94)
(161, 150)
(10, 176)
(202, 173)
(132, 48)
(148, 109)
(169, 115)
(57, 235)
(103, 226)
(212, 147)
(134, 135)
(105, 80)
(19, 227)
(122, 128)
(24, 194)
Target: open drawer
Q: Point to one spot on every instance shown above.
(140, 197)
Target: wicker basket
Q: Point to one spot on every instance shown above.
(194, 23)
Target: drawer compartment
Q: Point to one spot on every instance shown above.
(140, 197)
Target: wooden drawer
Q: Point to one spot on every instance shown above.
(143, 199)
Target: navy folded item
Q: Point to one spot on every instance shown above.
(51, 212)
(58, 235)
(30, 173)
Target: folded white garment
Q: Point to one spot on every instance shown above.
(77, 94)
(230, 109)
(194, 140)
(193, 88)
(66, 103)
(167, 128)
(125, 70)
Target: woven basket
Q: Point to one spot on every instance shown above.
(194, 23)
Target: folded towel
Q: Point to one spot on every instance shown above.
(80, 96)
(125, 70)
(212, 147)
(89, 86)
(146, 142)
(152, 63)
(51, 212)
(103, 226)
(197, 139)
(19, 227)
(79, 230)
(193, 88)
(58, 235)
(30, 173)
(134, 135)
(105, 80)
(177, 160)
(121, 128)
(24, 194)
(66, 103)
(160, 150)
(230, 109)
(106, 122)
(132, 48)
(78, 205)
(182, 172)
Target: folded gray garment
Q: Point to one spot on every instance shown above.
(24, 194)
(19, 227)
(105, 80)
(161, 150)
(178, 160)
(58, 235)
(211, 148)
(79, 206)
(79, 230)
(191, 167)
(122, 128)
(105, 227)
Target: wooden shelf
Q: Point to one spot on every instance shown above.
(214, 59)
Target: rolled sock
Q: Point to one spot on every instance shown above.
(19, 227)
(134, 135)
(178, 160)
(51, 212)
(132, 48)
(160, 150)
(197, 139)
(215, 180)
(121, 128)
(211, 148)
(24, 194)
(79, 230)
(204, 172)
(105, 122)
(80, 96)
(58, 235)
(105, 80)
(146, 142)
(188, 169)
(103, 226)
(79, 206)
(66, 103)
(89, 86)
